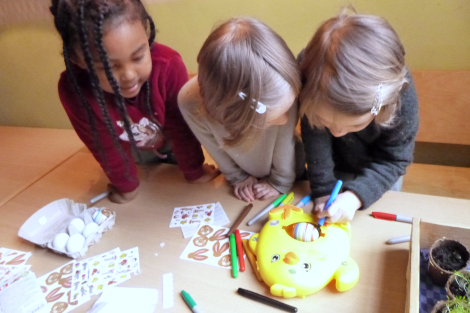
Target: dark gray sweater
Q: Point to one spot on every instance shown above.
(377, 156)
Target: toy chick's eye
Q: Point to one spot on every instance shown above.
(275, 258)
(306, 266)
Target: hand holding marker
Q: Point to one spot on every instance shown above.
(332, 198)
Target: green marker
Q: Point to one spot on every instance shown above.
(233, 253)
(265, 211)
(190, 302)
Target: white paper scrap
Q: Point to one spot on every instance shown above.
(121, 299)
(168, 291)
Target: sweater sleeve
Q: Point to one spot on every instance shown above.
(121, 172)
(318, 147)
(185, 146)
(282, 173)
(392, 152)
(190, 102)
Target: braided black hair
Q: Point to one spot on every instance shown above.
(81, 21)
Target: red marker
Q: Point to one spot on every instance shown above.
(393, 217)
(241, 259)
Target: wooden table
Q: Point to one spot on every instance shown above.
(27, 154)
(144, 223)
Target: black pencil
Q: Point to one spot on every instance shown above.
(260, 298)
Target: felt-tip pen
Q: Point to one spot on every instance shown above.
(287, 199)
(400, 239)
(190, 302)
(392, 217)
(260, 298)
(265, 211)
(304, 201)
(332, 198)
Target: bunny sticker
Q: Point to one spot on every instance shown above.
(210, 246)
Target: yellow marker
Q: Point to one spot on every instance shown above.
(288, 199)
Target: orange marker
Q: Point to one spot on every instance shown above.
(241, 259)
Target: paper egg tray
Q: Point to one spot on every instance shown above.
(52, 219)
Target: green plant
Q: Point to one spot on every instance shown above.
(457, 305)
(461, 283)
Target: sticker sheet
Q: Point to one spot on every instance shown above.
(13, 257)
(129, 262)
(10, 274)
(24, 296)
(184, 216)
(57, 288)
(93, 275)
(12, 266)
(220, 219)
(211, 246)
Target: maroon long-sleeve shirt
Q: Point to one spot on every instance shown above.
(168, 75)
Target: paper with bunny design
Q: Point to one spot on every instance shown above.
(184, 216)
(211, 246)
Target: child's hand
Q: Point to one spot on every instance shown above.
(244, 190)
(118, 197)
(342, 210)
(263, 190)
(210, 172)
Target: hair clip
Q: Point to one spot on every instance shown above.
(377, 104)
(260, 107)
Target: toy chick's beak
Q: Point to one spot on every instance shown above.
(291, 258)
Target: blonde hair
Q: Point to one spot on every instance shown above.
(244, 55)
(347, 59)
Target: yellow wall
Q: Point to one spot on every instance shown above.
(436, 35)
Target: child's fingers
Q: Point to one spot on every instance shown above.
(331, 211)
(245, 194)
(319, 207)
(260, 193)
(236, 191)
(248, 189)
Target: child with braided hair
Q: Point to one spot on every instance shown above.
(120, 90)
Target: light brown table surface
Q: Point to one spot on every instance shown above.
(27, 154)
(144, 223)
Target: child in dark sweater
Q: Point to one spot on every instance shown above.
(359, 112)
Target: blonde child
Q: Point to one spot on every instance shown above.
(359, 112)
(120, 90)
(242, 107)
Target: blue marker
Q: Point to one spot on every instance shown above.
(304, 201)
(332, 198)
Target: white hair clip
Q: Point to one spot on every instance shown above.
(260, 108)
(378, 100)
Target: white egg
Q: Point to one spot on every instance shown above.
(78, 223)
(75, 243)
(90, 229)
(60, 240)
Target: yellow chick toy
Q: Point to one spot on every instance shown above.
(298, 267)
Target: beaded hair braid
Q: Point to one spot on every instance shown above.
(81, 21)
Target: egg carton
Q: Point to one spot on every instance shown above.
(54, 218)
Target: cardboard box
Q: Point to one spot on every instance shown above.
(54, 218)
(423, 235)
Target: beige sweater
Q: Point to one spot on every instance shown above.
(273, 157)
